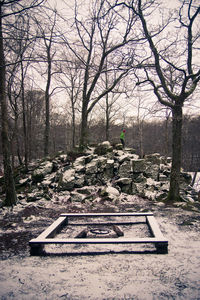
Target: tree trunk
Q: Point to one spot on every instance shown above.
(73, 122)
(84, 129)
(11, 198)
(140, 125)
(47, 127)
(107, 118)
(24, 117)
(173, 194)
(166, 151)
(47, 106)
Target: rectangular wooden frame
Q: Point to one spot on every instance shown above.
(47, 236)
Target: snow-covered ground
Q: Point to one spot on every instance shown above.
(137, 275)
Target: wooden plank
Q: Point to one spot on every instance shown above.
(154, 228)
(107, 214)
(108, 223)
(53, 228)
(98, 241)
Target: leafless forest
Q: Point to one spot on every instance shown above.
(74, 74)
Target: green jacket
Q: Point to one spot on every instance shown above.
(122, 135)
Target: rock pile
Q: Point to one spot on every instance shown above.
(106, 173)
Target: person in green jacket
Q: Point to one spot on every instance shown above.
(122, 137)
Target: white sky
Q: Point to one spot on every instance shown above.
(63, 7)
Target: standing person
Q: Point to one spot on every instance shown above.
(122, 137)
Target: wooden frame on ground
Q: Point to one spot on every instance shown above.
(47, 236)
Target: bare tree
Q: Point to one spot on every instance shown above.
(46, 31)
(188, 79)
(98, 42)
(175, 75)
(70, 81)
(8, 9)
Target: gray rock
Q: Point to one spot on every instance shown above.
(161, 195)
(79, 180)
(67, 180)
(103, 148)
(185, 178)
(154, 158)
(86, 190)
(152, 171)
(91, 179)
(138, 178)
(152, 184)
(76, 197)
(125, 169)
(123, 158)
(92, 167)
(89, 158)
(40, 172)
(79, 164)
(24, 181)
(118, 147)
(34, 196)
(140, 188)
(125, 185)
(138, 165)
(163, 177)
(113, 193)
(102, 161)
(109, 169)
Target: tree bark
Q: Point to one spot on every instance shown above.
(24, 116)
(107, 119)
(11, 198)
(47, 97)
(73, 123)
(177, 114)
(84, 128)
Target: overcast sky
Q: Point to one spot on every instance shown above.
(63, 7)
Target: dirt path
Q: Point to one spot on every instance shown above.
(138, 275)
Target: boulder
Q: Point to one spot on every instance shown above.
(67, 180)
(161, 195)
(138, 165)
(185, 178)
(125, 169)
(35, 196)
(152, 184)
(63, 158)
(119, 146)
(113, 193)
(86, 190)
(140, 189)
(138, 178)
(152, 171)
(91, 179)
(25, 181)
(92, 167)
(103, 148)
(89, 158)
(76, 197)
(163, 177)
(125, 185)
(123, 158)
(40, 172)
(109, 169)
(154, 158)
(79, 164)
(151, 195)
(79, 181)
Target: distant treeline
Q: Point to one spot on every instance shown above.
(145, 137)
